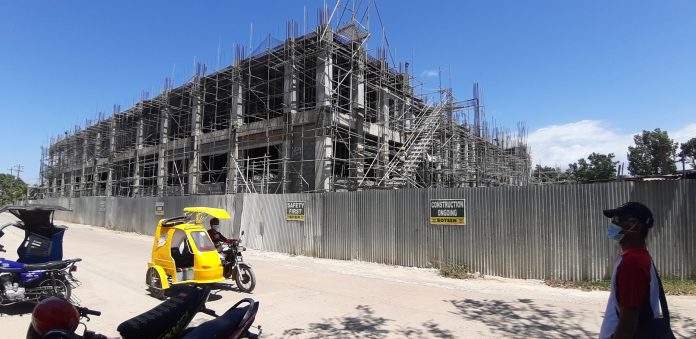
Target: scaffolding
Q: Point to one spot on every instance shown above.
(315, 112)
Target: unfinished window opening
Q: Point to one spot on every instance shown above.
(217, 95)
(148, 177)
(123, 178)
(151, 125)
(341, 160)
(263, 96)
(101, 185)
(307, 91)
(214, 168)
(341, 82)
(126, 131)
(180, 114)
(178, 172)
(371, 112)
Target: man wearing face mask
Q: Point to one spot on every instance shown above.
(215, 234)
(637, 298)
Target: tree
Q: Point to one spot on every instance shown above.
(548, 175)
(653, 154)
(596, 167)
(688, 152)
(11, 189)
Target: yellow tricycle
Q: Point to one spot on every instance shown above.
(183, 253)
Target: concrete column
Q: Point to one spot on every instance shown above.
(384, 128)
(357, 164)
(52, 178)
(292, 150)
(196, 112)
(63, 190)
(112, 149)
(83, 170)
(323, 151)
(137, 185)
(324, 146)
(236, 121)
(96, 175)
(325, 70)
(162, 148)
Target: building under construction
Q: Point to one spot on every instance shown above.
(316, 112)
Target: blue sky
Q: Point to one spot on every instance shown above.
(584, 76)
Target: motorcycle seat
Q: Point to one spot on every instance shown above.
(50, 265)
(170, 317)
(232, 321)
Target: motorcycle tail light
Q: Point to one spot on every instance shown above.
(73, 268)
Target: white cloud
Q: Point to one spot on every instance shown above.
(560, 145)
(684, 134)
(431, 73)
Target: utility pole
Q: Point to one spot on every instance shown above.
(18, 168)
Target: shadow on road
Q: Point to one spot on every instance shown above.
(365, 324)
(683, 327)
(522, 319)
(17, 309)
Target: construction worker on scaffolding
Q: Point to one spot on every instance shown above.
(401, 155)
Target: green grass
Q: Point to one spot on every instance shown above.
(672, 285)
(458, 272)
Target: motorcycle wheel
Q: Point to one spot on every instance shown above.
(60, 288)
(245, 279)
(154, 285)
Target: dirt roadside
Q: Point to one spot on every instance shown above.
(318, 298)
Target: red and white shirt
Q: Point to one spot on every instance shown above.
(633, 285)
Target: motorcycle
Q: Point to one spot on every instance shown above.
(57, 318)
(39, 272)
(234, 265)
(33, 282)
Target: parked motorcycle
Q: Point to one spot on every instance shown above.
(234, 265)
(33, 282)
(39, 272)
(57, 318)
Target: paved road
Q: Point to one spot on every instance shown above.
(318, 298)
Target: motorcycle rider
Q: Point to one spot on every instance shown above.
(215, 235)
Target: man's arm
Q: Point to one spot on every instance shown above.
(628, 322)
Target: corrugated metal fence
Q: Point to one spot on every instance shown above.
(540, 232)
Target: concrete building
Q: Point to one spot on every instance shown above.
(312, 113)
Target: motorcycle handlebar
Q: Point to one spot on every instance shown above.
(86, 311)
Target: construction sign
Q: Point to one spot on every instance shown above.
(159, 208)
(448, 212)
(295, 210)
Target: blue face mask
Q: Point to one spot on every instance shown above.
(615, 232)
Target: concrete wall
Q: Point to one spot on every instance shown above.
(540, 232)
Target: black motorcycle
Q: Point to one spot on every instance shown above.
(234, 265)
(56, 318)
